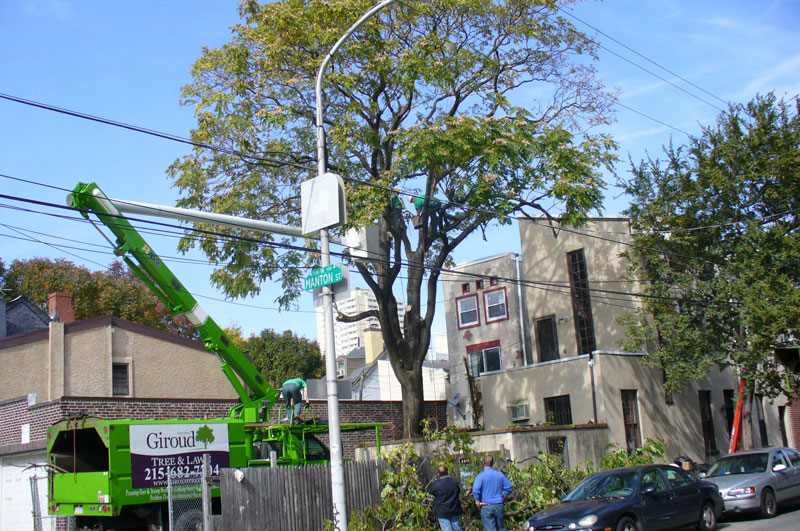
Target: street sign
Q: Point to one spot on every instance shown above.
(340, 290)
(323, 277)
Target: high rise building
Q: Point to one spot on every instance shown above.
(348, 336)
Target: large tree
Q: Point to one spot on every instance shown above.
(283, 355)
(717, 225)
(481, 107)
(116, 291)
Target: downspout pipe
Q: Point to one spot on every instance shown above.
(522, 327)
(594, 391)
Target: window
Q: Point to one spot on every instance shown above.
(484, 357)
(558, 410)
(707, 424)
(581, 302)
(495, 303)
(730, 409)
(652, 480)
(677, 478)
(468, 311)
(794, 457)
(630, 418)
(518, 412)
(465, 287)
(557, 446)
(479, 284)
(493, 281)
(547, 338)
(762, 424)
(119, 379)
(778, 459)
(315, 450)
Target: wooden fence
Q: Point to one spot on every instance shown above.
(293, 498)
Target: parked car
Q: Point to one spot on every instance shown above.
(757, 480)
(637, 498)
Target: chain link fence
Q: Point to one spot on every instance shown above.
(186, 509)
(41, 520)
(185, 501)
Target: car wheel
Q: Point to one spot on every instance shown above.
(626, 523)
(708, 518)
(769, 507)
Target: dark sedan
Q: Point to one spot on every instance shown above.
(637, 498)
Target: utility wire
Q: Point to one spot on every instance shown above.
(278, 245)
(152, 132)
(701, 89)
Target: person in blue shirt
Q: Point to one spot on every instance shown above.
(490, 490)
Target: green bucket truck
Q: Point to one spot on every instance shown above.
(112, 474)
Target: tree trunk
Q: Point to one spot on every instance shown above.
(413, 404)
(747, 418)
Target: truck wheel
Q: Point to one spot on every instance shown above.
(191, 520)
(769, 506)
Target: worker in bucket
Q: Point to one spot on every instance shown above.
(292, 391)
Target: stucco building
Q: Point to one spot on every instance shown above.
(534, 345)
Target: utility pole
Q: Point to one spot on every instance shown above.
(337, 463)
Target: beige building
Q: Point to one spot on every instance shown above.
(550, 359)
(103, 366)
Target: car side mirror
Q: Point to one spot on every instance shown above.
(649, 489)
(779, 467)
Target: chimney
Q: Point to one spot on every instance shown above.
(60, 307)
(373, 344)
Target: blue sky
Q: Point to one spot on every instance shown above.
(127, 61)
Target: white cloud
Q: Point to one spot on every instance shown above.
(783, 73)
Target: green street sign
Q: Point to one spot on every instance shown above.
(323, 277)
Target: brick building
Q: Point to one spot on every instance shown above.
(117, 369)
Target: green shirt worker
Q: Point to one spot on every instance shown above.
(293, 394)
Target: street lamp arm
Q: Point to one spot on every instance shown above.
(321, 169)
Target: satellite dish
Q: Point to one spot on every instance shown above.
(454, 401)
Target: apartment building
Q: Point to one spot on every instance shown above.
(534, 342)
(349, 336)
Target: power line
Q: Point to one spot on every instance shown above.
(645, 58)
(254, 241)
(153, 132)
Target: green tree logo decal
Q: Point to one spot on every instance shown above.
(205, 435)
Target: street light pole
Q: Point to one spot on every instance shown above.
(337, 465)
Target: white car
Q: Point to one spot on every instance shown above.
(757, 480)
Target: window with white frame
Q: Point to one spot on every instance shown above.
(468, 311)
(484, 357)
(495, 303)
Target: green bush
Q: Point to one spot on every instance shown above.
(537, 482)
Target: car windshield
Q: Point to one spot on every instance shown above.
(739, 464)
(605, 486)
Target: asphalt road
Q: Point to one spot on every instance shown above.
(788, 519)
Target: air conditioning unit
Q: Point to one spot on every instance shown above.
(340, 373)
(518, 412)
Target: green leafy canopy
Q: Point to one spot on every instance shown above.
(719, 233)
(482, 105)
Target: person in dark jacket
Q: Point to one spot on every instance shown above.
(446, 502)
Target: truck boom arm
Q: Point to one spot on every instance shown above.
(147, 265)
